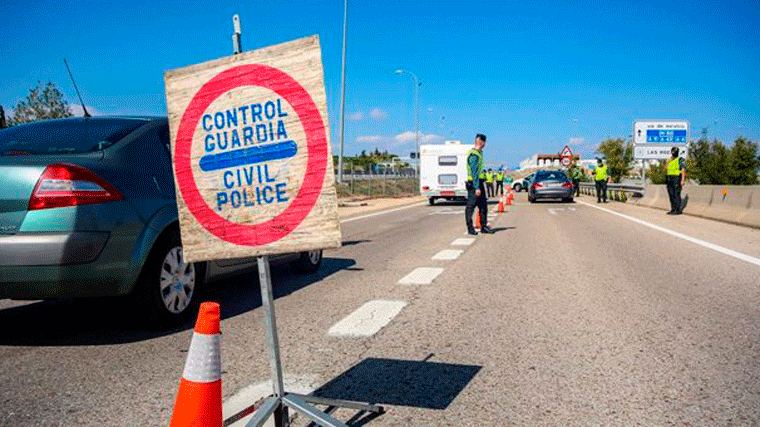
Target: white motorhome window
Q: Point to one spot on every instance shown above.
(447, 160)
(447, 179)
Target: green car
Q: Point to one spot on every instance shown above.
(88, 209)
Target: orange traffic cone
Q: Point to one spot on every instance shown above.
(477, 218)
(501, 204)
(199, 401)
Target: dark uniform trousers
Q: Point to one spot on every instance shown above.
(489, 186)
(577, 187)
(499, 188)
(601, 190)
(473, 201)
(674, 192)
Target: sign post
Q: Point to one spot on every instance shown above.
(252, 163)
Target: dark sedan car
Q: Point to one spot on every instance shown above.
(88, 209)
(550, 184)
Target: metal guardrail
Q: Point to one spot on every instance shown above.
(614, 191)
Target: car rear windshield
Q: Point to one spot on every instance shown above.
(551, 176)
(67, 136)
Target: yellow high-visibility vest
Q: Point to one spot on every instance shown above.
(601, 173)
(674, 167)
(480, 164)
(489, 177)
(500, 177)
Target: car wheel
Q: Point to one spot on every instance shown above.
(431, 200)
(532, 199)
(518, 188)
(169, 286)
(308, 262)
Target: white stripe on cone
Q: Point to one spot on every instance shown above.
(204, 363)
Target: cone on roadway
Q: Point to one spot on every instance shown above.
(501, 204)
(199, 401)
(477, 218)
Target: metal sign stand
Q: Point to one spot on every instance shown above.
(279, 403)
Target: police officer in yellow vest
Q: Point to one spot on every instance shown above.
(601, 178)
(676, 171)
(489, 182)
(476, 192)
(500, 183)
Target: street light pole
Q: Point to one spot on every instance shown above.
(343, 93)
(416, 115)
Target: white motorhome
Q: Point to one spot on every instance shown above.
(443, 170)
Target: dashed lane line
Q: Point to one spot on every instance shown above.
(301, 384)
(421, 276)
(716, 248)
(368, 319)
(447, 255)
(462, 242)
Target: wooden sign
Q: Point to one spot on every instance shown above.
(251, 153)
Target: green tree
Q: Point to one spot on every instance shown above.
(743, 162)
(657, 173)
(715, 166)
(698, 161)
(42, 103)
(619, 155)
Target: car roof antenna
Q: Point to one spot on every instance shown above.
(84, 109)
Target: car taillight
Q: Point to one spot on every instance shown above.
(425, 188)
(537, 185)
(70, 185)
(567, 184)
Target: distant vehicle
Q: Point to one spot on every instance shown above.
(443, 171)
(88, 209)
(550, 184)
(522, 184)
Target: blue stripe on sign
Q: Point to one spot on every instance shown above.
(247, 156)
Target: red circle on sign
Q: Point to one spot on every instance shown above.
(316, 164)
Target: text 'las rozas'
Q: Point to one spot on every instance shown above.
(238, 143)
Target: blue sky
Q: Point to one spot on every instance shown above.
(520, 72)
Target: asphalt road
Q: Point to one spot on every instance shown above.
(569, 315)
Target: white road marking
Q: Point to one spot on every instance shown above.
(302, 384)
(446, 213)
(554, 211)
(368, 319)
(421, 276)
(572, 209)
(462, 242)
(447, 255)
(721, 249)
(381, 212)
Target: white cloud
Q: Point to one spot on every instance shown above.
(356, 117)
(76, 110)
(369, 139)
(378, 114)
(408, 136)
